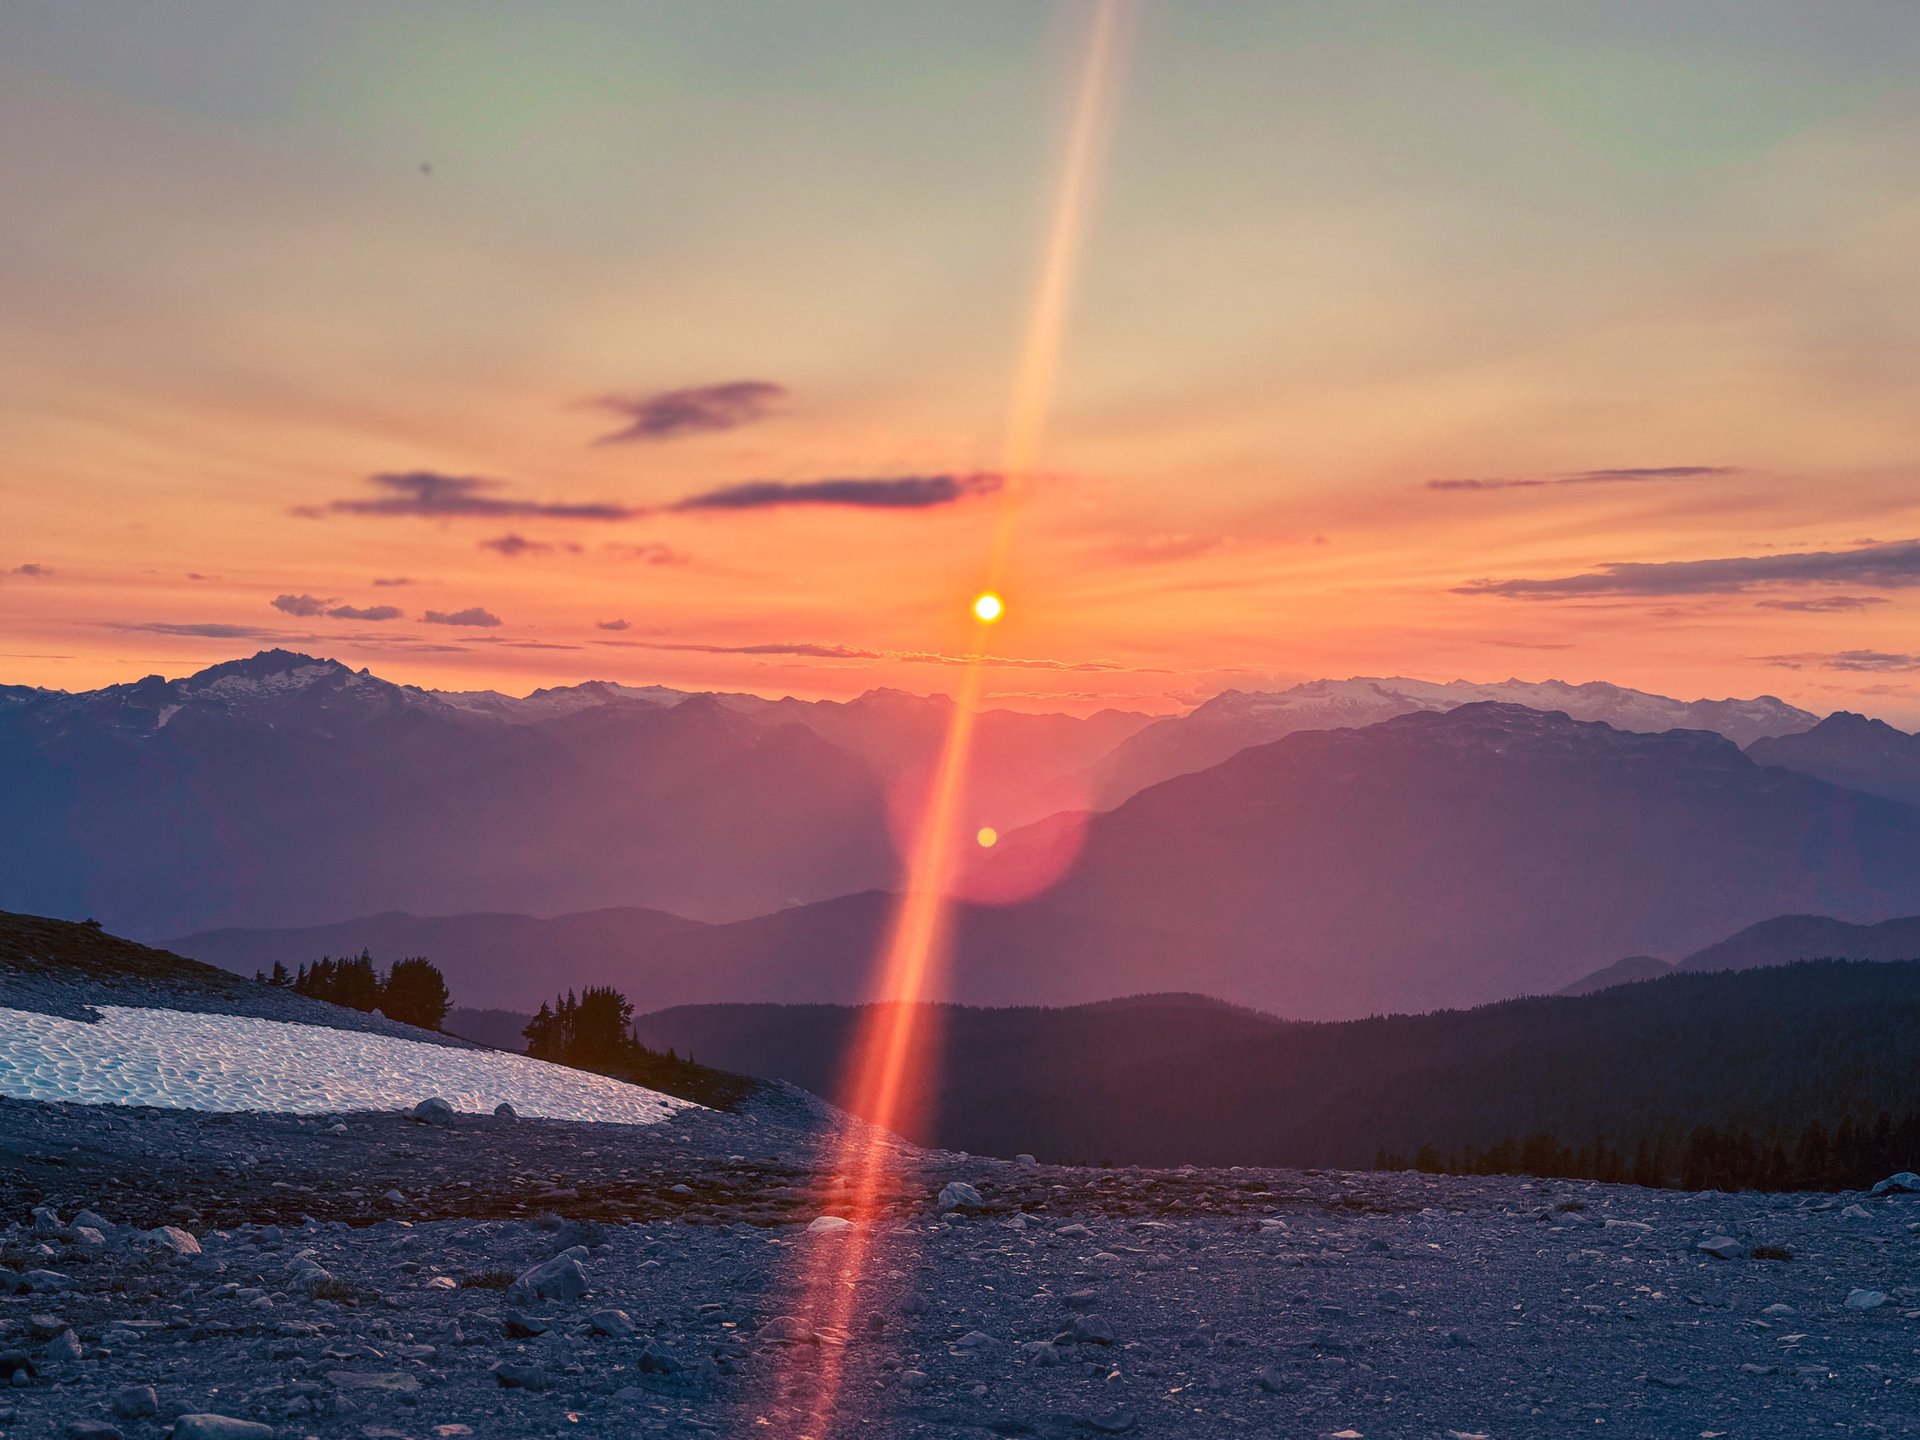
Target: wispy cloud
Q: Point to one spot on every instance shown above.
(309, 607)
(388, 582)
(891, 492)
(1824, 604)
(429, 494)
(514, 546)
(612, 625)
(1621, 475)
(700, 410)
(1892, 565)
(815, 650)
(32, 571)
(203, 631)
(1857, 661)
(651, 552)
(472, 615)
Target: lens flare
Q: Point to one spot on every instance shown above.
(987, 608)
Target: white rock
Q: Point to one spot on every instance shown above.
(1906, 1180)
(560, 1278)
(1865, 1299)
(829, 1225)
(1722, 1247)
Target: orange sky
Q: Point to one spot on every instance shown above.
(1663, 273)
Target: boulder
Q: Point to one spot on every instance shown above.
(173, 1238)
(957, 1195)
(433, 1111)
(1906, 1182)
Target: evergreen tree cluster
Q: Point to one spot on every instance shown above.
(592, 1031)
(413, 992)
(1847, 1156)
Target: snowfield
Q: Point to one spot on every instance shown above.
(185, 1061)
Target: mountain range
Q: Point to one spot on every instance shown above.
(1440, 858)
(1780, 941)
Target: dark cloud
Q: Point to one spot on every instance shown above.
(445, 497)
(1893, 565)
(893, 492)
(1856, 661)
(369, 612)
(387, 582)
(612, 625)
(472, 615)
(32, 571)
(1824, 604)
(701, 410)
(1623, 475)
(814, 650)
(310, 607)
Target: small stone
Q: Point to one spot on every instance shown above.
(64, 1347)
(395, 1382)
(173, 1238)
(560, 1278)
(219, 1427)
(1722, 1247)
(785, 1330)
(433, 1111)
(1856, 1212)
(93, 1430)
(615, 1324)
(829, 1225)
(1024, 1159)
(1091, 1330)
(655, 1361)
(15, 1364)
(45, 1327)
(521, 1327)
(134, 1402)
(511, 1376)
(1075, 1231)
(504, 1111)
(957, 1195)
(1116, 1422)
(1865, 1299)
(1270, 1379)
(441, 1282)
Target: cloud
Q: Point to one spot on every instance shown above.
(1623, 475)
(309, 607)
(369, 612)
(1893, 565)
(1857, 661)
(814, 650)
(1171, 547)
(432, 495)
(701, 410)
(612, 625)
(207, 631)
(652, 553)
(387, 582)
(1824, 604)
(514, 546)
(472, 615)
(893, 492)
(32, 571)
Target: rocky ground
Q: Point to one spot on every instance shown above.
(367, 1276)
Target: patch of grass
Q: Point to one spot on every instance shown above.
(487, 1280)
(1771, 1252)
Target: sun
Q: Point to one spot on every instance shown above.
(987, 837)
(987, 608)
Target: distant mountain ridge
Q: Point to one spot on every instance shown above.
(1233, 720)
(1850, 750)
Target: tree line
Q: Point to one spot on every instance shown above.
(1848, 1156)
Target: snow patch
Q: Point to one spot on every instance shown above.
(177, 1060)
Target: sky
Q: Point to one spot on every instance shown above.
(497, 345)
